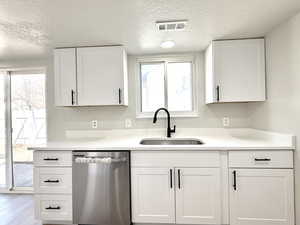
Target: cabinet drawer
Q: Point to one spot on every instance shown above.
(52, 158)
(175, 159)
(261, 159)
(52, 180)
(53, 207)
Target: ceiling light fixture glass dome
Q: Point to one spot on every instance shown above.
(167, 44)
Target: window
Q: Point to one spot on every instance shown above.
(166, 82)
(153, 86)
(179, 86)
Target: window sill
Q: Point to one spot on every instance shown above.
(141, 115)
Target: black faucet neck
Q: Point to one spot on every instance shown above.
(169, 130)
(157, 111)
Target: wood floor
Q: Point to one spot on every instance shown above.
(17, 210)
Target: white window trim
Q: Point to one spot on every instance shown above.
(168, 58)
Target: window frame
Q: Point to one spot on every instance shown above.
(167, 59)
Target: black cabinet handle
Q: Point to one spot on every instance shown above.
(52, 208)
(51, 181)
(179, 181)
(72, 97)
(234, 180)
(79, 155)
(218, 93)
(262, 159)
(120, 94)
(171, 178)
(50, 159)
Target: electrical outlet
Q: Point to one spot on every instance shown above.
(94, 124)
(226, 121)
(128, 123)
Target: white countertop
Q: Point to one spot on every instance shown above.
(213, 138)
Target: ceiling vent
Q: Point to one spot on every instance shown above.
(175, 25)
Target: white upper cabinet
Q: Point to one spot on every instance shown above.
(102, 73)
(65, 76)
(98, 76)
(235, 71)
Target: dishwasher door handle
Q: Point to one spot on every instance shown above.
(105, 160)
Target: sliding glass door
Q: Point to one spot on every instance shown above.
(24, 119)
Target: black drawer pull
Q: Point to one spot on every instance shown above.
(262, 159)
(51, 181)
(53, 208)
(50, 159)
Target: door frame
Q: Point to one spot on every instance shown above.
(9, 172)
(8, 135)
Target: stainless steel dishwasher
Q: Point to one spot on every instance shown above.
(101, 188)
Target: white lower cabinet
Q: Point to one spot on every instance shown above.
(153, 195)
(261, 197)
(184, 187)
(192, 194)
(235, 188)
(53, 186)
(53, 207)
(53, 180)
(198, 196)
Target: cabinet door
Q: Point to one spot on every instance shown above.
(239, 70)
(198, 196)
(101, 75)
(153, 195)
(65, 76)
(262, 197)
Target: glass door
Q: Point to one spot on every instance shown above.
(28, 123)
(22, 124)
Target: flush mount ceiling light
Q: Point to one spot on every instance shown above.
(174, 25)
(167, 44)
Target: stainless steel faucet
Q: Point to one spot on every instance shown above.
(169, 130)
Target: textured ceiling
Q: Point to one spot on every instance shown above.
(31, 28)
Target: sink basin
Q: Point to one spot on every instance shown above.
(172, 141)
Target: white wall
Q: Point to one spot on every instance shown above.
(281, 112)
(61, 119)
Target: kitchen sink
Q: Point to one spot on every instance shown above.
(172, 141)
